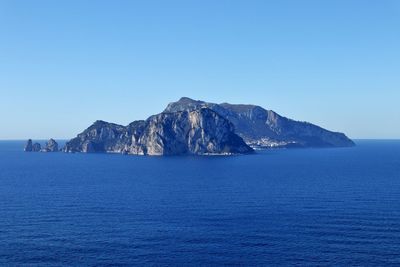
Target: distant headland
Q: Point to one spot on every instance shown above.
(199, 128)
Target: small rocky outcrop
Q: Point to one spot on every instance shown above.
(28, 146)
(32, 147)
(198, 132)
(36, 147)
(51, 146)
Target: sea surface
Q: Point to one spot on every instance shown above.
(306, 207)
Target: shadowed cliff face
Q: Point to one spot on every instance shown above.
(101, 136)
(199, 132)
(265, 128)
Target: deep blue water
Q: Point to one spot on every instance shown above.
(278, 207)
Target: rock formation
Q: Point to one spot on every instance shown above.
(51, 146)
(28, 146)
(36, 147)
(200, 132)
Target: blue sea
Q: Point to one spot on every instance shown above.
(307, 207)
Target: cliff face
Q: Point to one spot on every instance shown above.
(101, 136)
(265, 128)
(201, 132)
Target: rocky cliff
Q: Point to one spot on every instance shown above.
(201, 132)
(261, 128)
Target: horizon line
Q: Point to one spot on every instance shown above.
(66, 139)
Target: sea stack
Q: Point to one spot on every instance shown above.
(28, 146)
(36, 147)
(51, 146)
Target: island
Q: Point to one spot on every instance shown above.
(195, 127)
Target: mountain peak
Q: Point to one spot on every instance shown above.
(184, 104)
(187, 99)
(99, 122)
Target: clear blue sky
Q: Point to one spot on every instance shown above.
(65, 64)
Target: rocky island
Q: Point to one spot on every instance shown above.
(50, 146)
(32, 147)
(196, 127)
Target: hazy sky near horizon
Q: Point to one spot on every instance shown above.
(65, 64)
